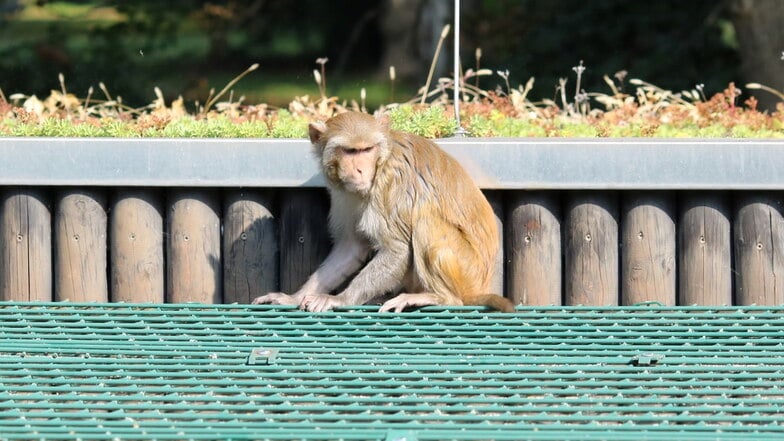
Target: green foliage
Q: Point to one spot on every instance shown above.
(748, 132)
(647, 111)
(52, 127)
(577, 130)
(430, 122)
(219, 127)
(498, 125)
(288, 126)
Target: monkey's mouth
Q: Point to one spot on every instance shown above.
(357, 186)
(361, 187)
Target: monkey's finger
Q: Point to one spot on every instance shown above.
(310, 304)
(315, 305)
(262, 300)
(274, 298)
(390, 305)
(324, 303)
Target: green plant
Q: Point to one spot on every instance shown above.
(428, 121)
(632, 108)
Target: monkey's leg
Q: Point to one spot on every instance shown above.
(345, 258)
(382, 274)
(446, 263)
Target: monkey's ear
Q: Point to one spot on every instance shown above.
(316, 130)
(383, 121)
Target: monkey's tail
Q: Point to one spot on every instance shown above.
(492, 300)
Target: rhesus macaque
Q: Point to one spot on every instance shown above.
(402, 200)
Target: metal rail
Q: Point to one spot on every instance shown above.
(722, 164)
(189, 371)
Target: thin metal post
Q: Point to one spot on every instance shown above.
(459, 131)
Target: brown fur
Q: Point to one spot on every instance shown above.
(399, 195)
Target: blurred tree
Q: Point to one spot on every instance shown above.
(8, 7)
(672, 43)
(411, 30)
(195, 38)
(761, 38)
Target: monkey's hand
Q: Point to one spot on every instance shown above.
(277, 298)
(321, 302)
(403, 301)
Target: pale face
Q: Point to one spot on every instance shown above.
(356, 167)
(350, 147)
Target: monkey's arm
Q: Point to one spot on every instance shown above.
(381, 275)
(346, 257)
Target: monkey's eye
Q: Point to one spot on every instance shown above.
(354, 151)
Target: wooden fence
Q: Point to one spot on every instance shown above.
(83, 235)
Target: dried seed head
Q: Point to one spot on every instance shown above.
(445, 31)
(392, 74)
(105, 91)
(579, 69)
(529, 84)
(317, 76)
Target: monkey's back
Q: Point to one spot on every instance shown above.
(440, 192)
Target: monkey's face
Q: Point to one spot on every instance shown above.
(350, 146)
(353, 167)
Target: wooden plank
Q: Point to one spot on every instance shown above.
(705, 268)
(591, 273)
(194, 247)
(136, 247)
(533, 246)
(648, 264)
(304, 237)
(759, 239)
(497, 202)
(250, 244)
(80, 247)
(26, 242)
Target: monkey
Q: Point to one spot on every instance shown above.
(405, 215)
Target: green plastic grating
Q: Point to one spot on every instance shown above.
(144, 372)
